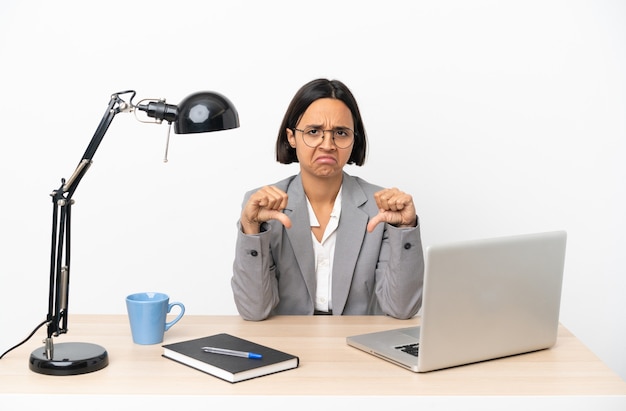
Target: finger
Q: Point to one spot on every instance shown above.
(266, 215)
(274, 198)
(398, 202)
(393, 199)
(386, 198)
(378, 218)
(269, 197)
(381, 199)
(283, 218)
(406, 206)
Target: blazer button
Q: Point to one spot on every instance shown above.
(254, 253)
(407, 246)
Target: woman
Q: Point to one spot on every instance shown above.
(322, 241)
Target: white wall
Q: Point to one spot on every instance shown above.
(499, 117)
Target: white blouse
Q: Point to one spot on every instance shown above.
(324, 253)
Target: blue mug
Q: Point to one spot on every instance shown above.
(147, 313)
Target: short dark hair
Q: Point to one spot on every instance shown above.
(310, 92)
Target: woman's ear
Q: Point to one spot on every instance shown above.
(291, 138)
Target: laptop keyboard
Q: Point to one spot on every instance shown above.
(412, 349)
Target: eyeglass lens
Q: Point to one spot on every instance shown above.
(313, 137)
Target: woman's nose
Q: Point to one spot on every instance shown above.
(328, 141)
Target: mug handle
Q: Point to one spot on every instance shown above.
(178, 317)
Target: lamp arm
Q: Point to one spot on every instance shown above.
(116, 105)
(61, 219)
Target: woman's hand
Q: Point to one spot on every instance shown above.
(264, 205)
(396, 208)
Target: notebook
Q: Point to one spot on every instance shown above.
(482, 299)
(259, 361)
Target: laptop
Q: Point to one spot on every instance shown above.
(482, 299)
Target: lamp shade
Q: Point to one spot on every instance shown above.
(205, 111)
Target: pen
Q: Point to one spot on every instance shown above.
(234, 353)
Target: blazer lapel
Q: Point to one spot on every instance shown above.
(350, 236)
(300, 234)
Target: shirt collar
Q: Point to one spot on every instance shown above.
(333, 214)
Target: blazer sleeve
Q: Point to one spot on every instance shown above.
(254, 284)
(400, 272)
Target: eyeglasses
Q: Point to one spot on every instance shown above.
(313, 136)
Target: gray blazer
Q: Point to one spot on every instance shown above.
(373, 273)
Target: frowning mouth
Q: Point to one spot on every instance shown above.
(326, 160)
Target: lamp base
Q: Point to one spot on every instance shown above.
(69, 359)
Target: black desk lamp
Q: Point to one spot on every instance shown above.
(199, 112)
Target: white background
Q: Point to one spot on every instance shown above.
(499, 117)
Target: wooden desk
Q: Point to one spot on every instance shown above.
(329, 368)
